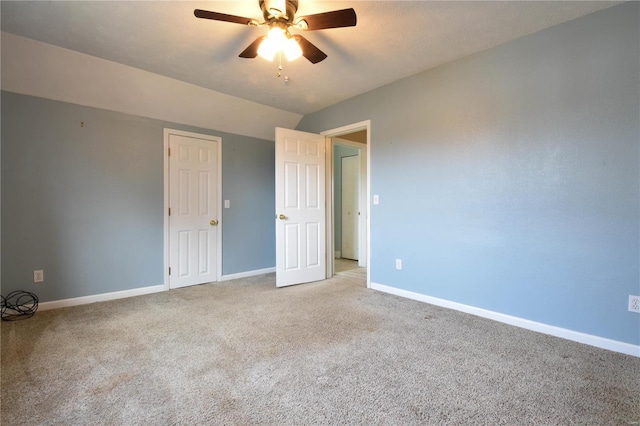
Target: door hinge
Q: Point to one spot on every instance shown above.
(169, 211)
(169, 152)
(169, 271)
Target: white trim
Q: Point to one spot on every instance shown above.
(347, 142)
(217, 139)
(65, 303)
(248, 274)
(349, 128)
(576, 336)
(329, 219)
(329, 134)
(165, 228)
(219, 212)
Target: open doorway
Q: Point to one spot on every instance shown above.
(347, 200)
(349, 195)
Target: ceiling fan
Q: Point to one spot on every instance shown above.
(279, 15)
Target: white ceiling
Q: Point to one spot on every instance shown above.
(392, 40)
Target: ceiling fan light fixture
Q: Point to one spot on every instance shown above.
(292, 49)
(273, 43)
(279, 40)
(267, 49)
(278, 36)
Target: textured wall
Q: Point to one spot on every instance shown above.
(86, 203)
(509, 180)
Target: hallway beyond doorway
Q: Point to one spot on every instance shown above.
(349, 267)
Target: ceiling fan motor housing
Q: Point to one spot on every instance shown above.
(267, 7)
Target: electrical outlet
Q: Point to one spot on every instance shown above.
(398, 264)
(38, 276)
(634, 303)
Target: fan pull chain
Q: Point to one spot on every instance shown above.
(279, 64)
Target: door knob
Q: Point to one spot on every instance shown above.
(213, 222)
(282, 217)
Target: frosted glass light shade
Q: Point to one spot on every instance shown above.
(267, 49)
(292, 49)
(279, 40)
(277, 37)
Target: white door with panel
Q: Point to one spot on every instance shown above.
(193, 209)
(300, 207)
(350, 206)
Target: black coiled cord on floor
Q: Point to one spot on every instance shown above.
(18, 305)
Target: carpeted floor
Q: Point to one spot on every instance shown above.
(243, 352)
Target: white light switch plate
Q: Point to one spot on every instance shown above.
(376, 200)
(227, 204)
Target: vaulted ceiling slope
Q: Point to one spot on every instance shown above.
(392, 40)
(33, 68)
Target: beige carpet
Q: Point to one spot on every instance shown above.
(243, 352)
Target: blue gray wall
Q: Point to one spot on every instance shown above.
(339, 151)
(509, 180)
(86, 203)
(248, 182)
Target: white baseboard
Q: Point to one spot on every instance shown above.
(64, 303)
(247, 274)
(588, 339)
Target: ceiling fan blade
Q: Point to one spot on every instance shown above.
(216, 16)
(335, 19)
(309, 50)
(252, 50)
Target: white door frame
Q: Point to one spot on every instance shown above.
(329, 135)
(218, 139)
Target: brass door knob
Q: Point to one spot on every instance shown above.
(282, 217)
(213, 222)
